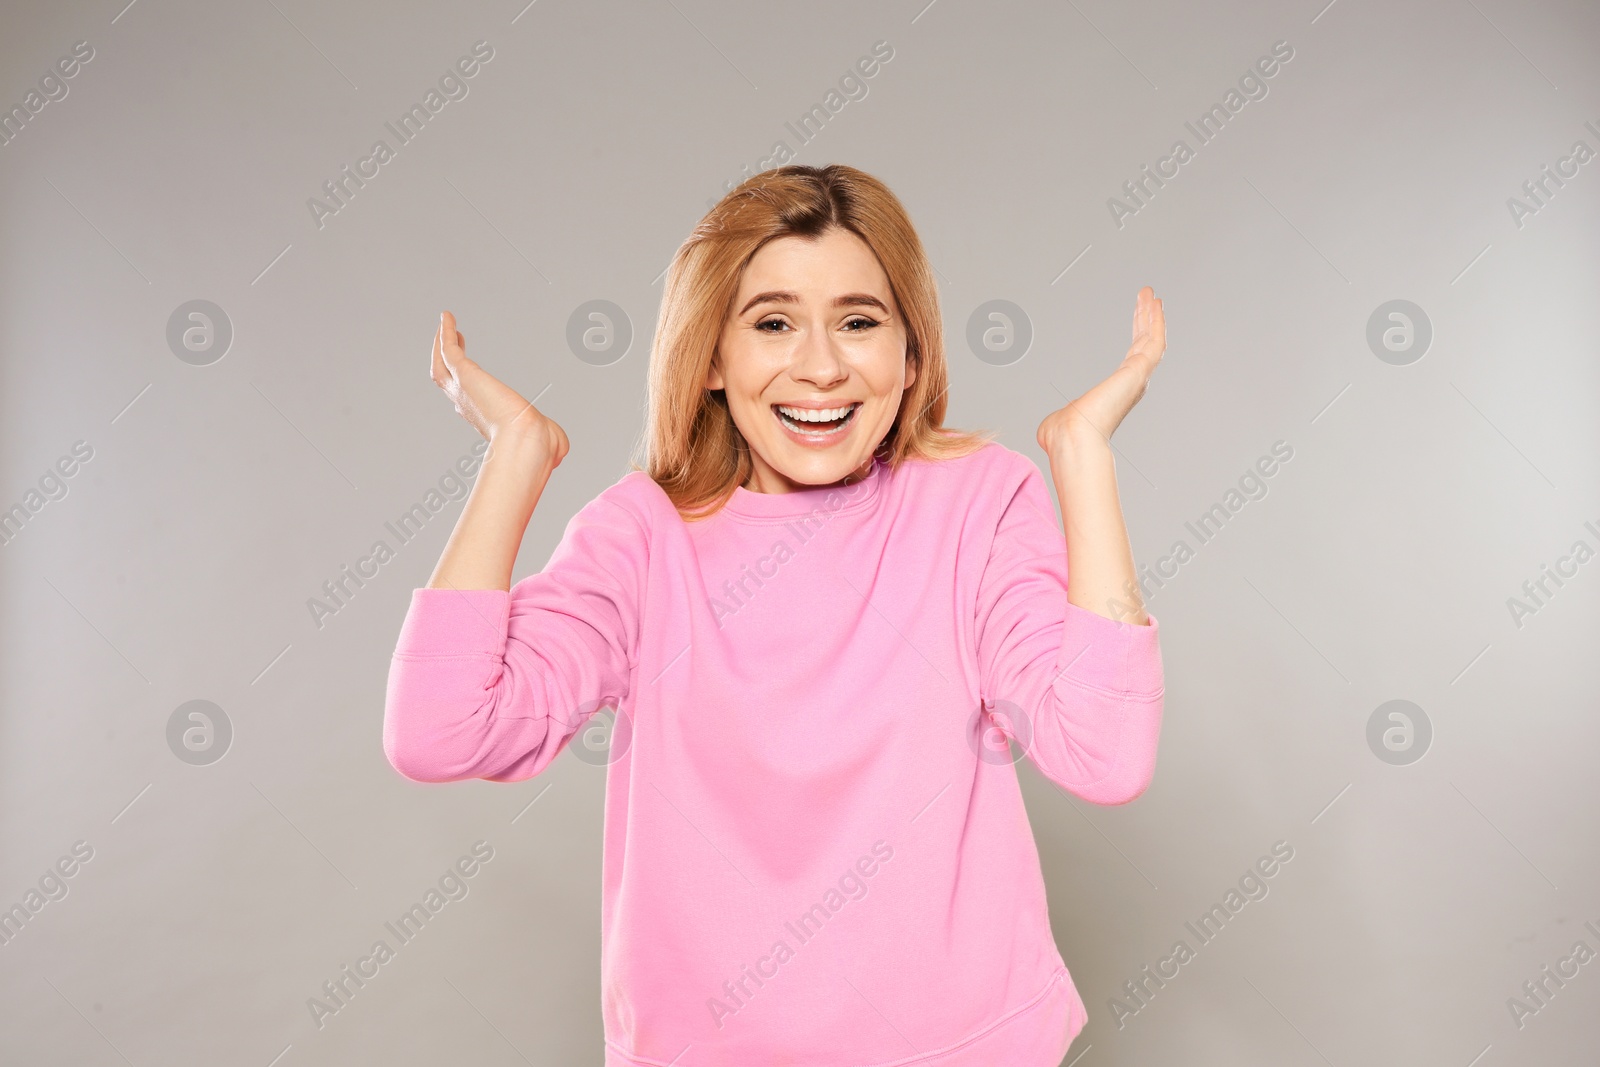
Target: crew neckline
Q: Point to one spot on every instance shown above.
(748, 504)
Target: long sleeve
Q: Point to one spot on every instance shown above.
(1080, 693)
(492, 684)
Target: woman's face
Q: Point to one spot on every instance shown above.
(812, 359)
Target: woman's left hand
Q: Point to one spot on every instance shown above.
(1095, 415)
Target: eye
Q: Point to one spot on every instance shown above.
(855, 324)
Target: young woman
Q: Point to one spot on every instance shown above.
(819, 617)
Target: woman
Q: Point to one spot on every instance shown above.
(818, 616)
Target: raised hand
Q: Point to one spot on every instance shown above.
(493, 408)
(1096, 414)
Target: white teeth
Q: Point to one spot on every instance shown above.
(812, 415)
(795, 419)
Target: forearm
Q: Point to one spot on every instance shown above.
(1100, 570)
(483, 546)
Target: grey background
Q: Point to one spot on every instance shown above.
(219, 498)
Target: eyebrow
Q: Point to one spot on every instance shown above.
(785, 296)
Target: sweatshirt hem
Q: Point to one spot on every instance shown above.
(956, 1054)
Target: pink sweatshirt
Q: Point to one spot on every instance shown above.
(816, 851)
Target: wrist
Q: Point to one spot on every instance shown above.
(1080, 447)
(514, 474)
(525, 451)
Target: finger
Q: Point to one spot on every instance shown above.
(437, 370)
(449, 346)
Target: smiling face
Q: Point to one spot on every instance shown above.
(812, 359)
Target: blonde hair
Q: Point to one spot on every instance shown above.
(691, 446)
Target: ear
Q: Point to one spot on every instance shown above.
(911, 372)
(714, 372)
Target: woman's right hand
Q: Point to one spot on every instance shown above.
(524, 448)
(492, 407)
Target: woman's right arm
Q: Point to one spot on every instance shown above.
(487, 681)
(525, 447)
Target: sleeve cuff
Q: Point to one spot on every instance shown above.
(455, 622)
(1110, 654)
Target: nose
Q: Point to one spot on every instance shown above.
(817, 361)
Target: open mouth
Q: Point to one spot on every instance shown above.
(816, 423)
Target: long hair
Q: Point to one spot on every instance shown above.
(691, 446)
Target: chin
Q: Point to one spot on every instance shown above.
(813, 470)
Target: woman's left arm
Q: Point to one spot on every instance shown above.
(1077, 440)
